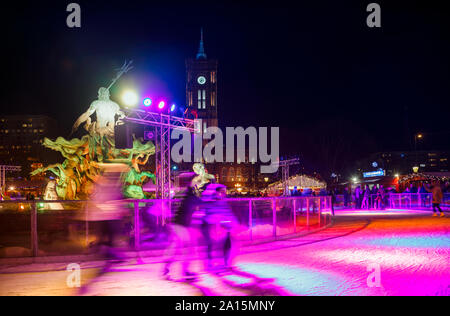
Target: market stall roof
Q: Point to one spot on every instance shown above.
(443, 174)
(300, 181)
(426, 176)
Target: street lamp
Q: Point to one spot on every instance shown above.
(416, 137)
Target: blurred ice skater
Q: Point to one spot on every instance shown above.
(105, 207)
(217, 212)
(179, 230)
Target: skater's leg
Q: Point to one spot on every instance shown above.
(172, 249)
(186, 243)
(208, 241)
(227, 250)
(435, 208)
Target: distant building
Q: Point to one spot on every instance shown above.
(242, 177)
(201, 100)
(402, 162)
(21, 139)
(201, 87)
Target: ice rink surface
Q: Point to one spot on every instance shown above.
(388, 252)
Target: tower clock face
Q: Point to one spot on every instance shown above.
(201, 80)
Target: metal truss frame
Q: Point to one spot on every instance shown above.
(163, 125)
(284, 164)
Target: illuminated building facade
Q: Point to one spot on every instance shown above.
(201, 87)
(402, 162)
(201, 101)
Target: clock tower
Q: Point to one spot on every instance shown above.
(201, 87)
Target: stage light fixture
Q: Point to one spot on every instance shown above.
(147, 102)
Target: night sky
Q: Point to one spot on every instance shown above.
(315, 70)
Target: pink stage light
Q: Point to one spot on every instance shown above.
(161, 105)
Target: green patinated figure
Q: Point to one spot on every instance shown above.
(78, 173)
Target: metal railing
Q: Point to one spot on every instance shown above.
(392, 200)
(52, 228)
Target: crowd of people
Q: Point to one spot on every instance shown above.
(365, 198)
(379, 197)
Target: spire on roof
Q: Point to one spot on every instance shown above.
(201, 50)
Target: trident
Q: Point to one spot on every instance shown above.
(123, 70)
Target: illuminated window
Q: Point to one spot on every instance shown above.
(201, 98)
(213, 98)
(231, 173)
(224, 173)
(213, 77)
(204, 127)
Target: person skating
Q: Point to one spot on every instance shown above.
(437, 198)
(179, 234)
(333, 200)
(217, 212)
(358, 197)
(365, 202)
(106, 211)
(346, 197)
(105, 208)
